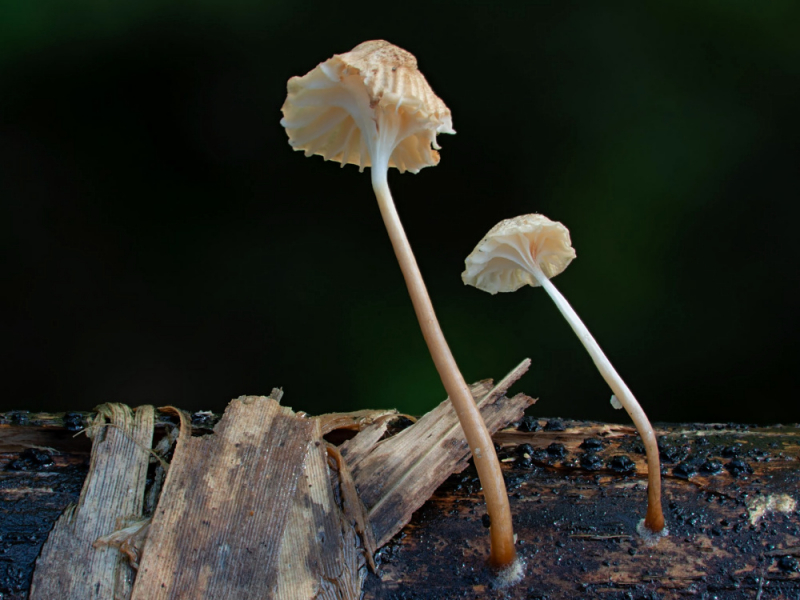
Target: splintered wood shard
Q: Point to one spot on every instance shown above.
(249, 512)
(325, 546)
(265, 507)
(397, 475)
(70, 565)
(321, 554)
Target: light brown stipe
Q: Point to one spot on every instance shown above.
(373, 108)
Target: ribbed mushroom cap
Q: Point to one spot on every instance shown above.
(502, 261)
(360, 106)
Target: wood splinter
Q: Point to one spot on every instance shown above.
(263, 507)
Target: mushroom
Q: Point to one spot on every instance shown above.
(531, 250)
(372, 107)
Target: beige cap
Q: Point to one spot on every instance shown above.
(372, 99)
(503, 260)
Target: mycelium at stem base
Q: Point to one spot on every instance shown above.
(503, 555)
(654, 519)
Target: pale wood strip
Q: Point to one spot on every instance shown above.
(400, 473)
(219, 524)
(112, 496)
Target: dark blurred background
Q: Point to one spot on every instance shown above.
(161, 242)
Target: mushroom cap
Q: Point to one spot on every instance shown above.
(502, 261)
(371, 99)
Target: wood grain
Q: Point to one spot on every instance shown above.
(220, 521)
(730, 494)
(70, 566)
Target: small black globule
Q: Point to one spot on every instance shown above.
(73, 421)
(731, 451)
(685, 470)
(529, 424)
(622, 464)
(788, 563)
(591, 462)
(31, 459)
(711, 467)
(555, 425)
(738, 467)
(592, 444)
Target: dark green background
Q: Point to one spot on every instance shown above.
(161, 243)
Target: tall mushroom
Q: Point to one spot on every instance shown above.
(530, 250)
(372, 107)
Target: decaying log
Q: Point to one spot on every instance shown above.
(264, 507)
(730, 494)
(577, 493)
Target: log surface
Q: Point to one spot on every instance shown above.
(730, 494)
(731, 497)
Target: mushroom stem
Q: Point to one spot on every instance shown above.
(654, 519)
(503, 554)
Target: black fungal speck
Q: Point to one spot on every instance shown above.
(529, 424)
(524, 457)
(31, 459)
(738, 467)
(592, 444)
(204, 419)
(540, 455)
(523, 462)
(18, 417)
(555, 425)
(73, 421)
(622, 464)
(524, 449)
(685, 470)
(591, 462)
(40, 458)
(788, 563)
(711, 467)
(731, 451)
(670, 454)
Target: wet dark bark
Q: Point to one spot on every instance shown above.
(577, 493)
(730, 495)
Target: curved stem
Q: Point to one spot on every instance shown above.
(654, 520)
(503, 553)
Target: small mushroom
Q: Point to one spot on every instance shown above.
(371, 107)
(530, 250)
